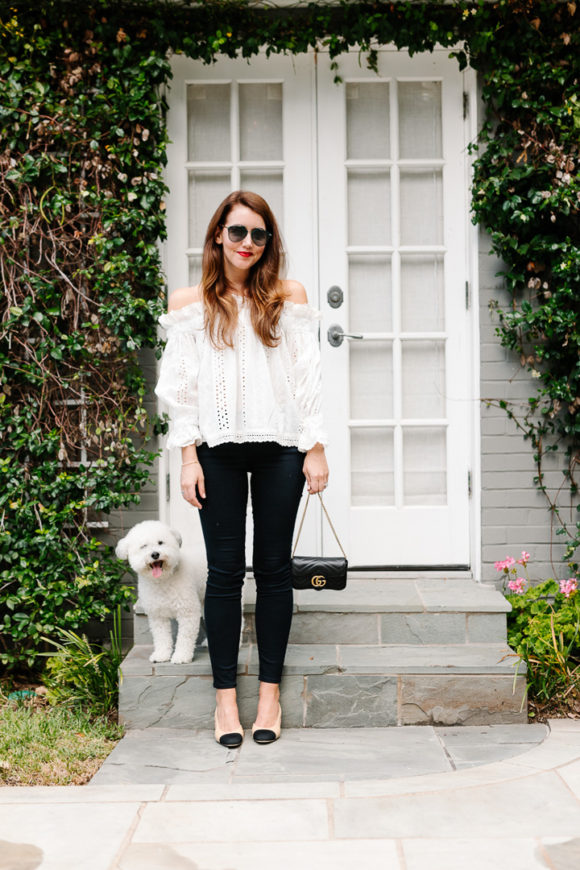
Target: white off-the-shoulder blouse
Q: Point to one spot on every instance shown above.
(246, 393)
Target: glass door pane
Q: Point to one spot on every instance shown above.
(260, 125)
(367, 120)
(208, 122)
(239, 124)
(420, 126)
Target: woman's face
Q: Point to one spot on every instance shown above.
(245, 254)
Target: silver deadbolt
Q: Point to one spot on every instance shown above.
(335, 296)
(336, 335)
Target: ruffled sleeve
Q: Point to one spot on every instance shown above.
(177, 385)
(299, 322)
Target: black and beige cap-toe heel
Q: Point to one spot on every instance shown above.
(231, 739)
(268, 735)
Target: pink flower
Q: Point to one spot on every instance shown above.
(517, 586)
(505, 565)
(525, 559)
(567, 587)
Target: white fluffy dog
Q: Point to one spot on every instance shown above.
(171, 584)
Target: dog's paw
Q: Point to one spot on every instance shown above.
(160, 656)
(181, 659)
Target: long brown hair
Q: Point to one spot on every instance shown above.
(265, 295)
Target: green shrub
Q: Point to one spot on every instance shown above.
(544, 630)
(79, 674)
(81, 211)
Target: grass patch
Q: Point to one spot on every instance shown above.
(43, 745)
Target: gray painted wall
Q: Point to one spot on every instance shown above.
(148, 509)
(514, 515)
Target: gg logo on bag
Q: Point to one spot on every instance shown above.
(318, 581)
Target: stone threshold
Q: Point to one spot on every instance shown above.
(347, 659)
(420, 595)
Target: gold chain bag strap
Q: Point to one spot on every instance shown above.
(318, 572)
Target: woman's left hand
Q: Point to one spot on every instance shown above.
(315, 469)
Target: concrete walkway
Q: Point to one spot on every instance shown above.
(501, 797)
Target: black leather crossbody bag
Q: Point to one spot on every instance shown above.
(318, 572)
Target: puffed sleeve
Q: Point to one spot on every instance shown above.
(299, 325)
(177, 385)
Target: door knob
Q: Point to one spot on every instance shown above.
(335, 296)
(336, 335)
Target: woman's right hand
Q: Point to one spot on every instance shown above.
(192, 484)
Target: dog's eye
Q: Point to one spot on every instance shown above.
(160, 543)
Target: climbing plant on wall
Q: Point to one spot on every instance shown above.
(526, 191)
(81, 211)
(81, 208)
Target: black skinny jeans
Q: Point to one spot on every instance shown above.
(276, 483)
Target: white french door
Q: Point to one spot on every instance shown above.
(368, 180)
(235, 125)
(393, 222)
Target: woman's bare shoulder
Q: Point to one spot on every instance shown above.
(184, 296)
(294, 291)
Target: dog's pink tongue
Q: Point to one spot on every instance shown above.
(156, 570)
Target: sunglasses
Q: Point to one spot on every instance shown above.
(236, 233)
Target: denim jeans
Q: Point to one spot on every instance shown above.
(276, 484)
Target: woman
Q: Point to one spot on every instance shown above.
(241, 376)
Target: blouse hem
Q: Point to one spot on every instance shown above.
(283, 440)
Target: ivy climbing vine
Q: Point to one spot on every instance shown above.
(83, 146)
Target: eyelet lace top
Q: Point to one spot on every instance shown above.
(246, 393)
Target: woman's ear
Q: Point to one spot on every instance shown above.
(218, 237)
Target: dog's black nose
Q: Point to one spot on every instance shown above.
(155, 555)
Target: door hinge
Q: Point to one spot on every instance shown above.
(465, 105)
(467, 295)
(469, 489)
(167, 487)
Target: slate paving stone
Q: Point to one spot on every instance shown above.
(474, 776)
(314, 658)
(168, 747)
(380, 752)
(324, 627)
(367, 854)
(142, 773)
(482, 812)
(555, 752)
(571, 776)
(461, 595)
(253, 790)
(564, 856)
(486, 734)
(76, 794)
(418, 659)
(351, 701)
(467, 699)
(485, 743)
(363, 595)
(476, 854)
(423, 628)
(62, 833)
(486, 627)
(168, 755)
(258, 821)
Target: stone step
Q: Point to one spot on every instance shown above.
(338, 685)
(377, 611)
